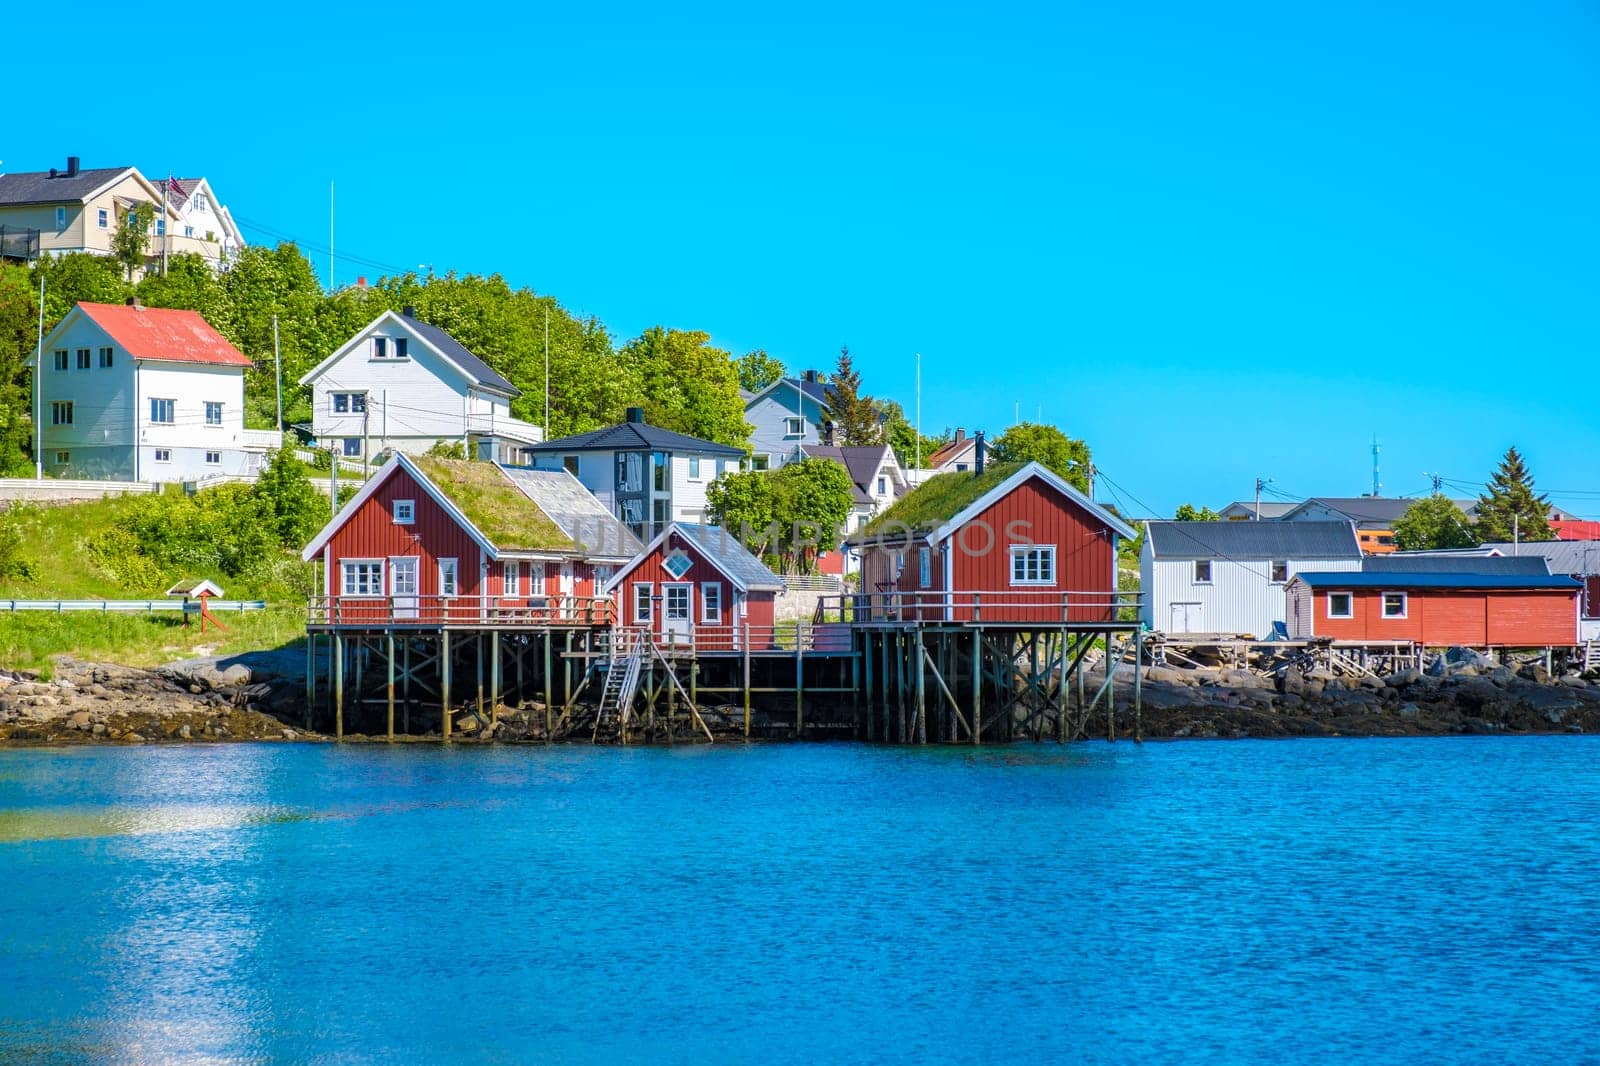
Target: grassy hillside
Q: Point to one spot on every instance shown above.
(82, 551)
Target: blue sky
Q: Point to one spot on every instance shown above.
(1217, 241)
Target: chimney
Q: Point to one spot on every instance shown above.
(977, 454)
(133, 302)
(361, 281)
(409, 311)
(72, 166)
(53, 172)
(636, 415)
(811, 377)
(827, 433)
(961, 434)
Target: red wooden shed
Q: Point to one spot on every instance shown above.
(697, 585)
(1006, 543)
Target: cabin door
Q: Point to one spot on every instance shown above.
(677, 612)
(403, 586)
(1185, 618)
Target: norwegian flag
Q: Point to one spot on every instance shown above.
(172, 183)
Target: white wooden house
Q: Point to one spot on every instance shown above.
(403, 384)
(133, 393)
(786, 417)
(1230, 577)
(647, 476)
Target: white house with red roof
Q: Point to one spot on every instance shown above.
(133, 393)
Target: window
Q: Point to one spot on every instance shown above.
(924, 567)
(1033, 564)
(161, 227)
(353, 403)
(711, 603)
(449, 578)
(400, 348)
(641, 602)
(661, 463)
(569, 463)
(1394, 604)
(883, 486)
(61, 358)
(1340, 605)
(162, 411)
(352, 447)
(84, 361)
(163, 455)
(602, 574)
(102, 218)
(511, 578)
(213, 458)
(63, 458)
(380, 347)
(660, 514)
(794, 426)
(61, 218)
(133, 218)
(188, 231)
(961, 468)
(61, 413)
(107, 356)
(760, 462)
(1279, 571)
(405, 512)
(1202, 571)
(694, 468)
(361, 577)
(200, 201)
(213, 413)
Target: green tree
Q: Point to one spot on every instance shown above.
(1188, 512)
(757, 370)
(74, 279)
(1509, 509)
(1049, 447)
(189, 284)
(854, 416)
(687, 384)
(19, 323)
(295, 509)
(1432, 524)
(131, 237)
(901, 435)
(261, 283)
(746, 504)
(814, 500)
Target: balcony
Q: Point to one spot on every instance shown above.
(261, 440)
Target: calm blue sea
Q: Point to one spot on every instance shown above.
(1239, 901)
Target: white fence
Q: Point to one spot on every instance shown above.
(131, 606)
(62, 490)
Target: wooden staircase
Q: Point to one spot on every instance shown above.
(628, 650)
(1591, 655)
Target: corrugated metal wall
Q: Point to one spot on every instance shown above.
(1240, 599)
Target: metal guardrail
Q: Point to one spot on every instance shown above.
(1001, 605)
(131, 606)
(532, 612)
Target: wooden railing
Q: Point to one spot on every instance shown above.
(533, 612)
(784, 637)
(1000, 605)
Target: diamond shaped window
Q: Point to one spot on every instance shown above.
(677, 563)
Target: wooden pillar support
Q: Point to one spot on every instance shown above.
(444, 684)
(494, 679)
(389, 691)
(977, 687)
(549, 685)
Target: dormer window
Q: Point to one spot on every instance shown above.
(200, 202)
(380, 347)
(794, 426)
(400, 348)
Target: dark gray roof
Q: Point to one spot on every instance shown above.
(1426, 563)
(862, 463)
(41, 188)
(1253, 540)
(637, 436)
(723, 546)
(1562, 556)
(575, 509)
(1374, 510)
(482, 373)
(1269, 508)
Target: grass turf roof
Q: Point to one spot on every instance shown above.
(939, 499)
(500, 510)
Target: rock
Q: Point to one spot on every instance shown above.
(1555, 715)
(196, 689)
(1292, 682)
(1404, 677)
(1409, 710)
(1502, 675)
(133, 738)
(1573, 681)
(1536, 673)
(79, 720)
(1464, 670)
(1467, 657)
(467, 725)
(289, 734)
(99, 729)
(1367, 681)
(183, 731)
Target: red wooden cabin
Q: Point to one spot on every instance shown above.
(1006, 543)
(433, 541)
(1480, 603)
(697, 585)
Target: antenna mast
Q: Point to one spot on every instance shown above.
(1377, 484)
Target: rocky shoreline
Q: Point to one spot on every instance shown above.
(261, 699)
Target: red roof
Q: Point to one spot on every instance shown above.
(165, 334)
(1575, 529)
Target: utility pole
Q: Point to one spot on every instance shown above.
(547, 372)
(38, 392)
(1377, 485)
(162, 225)
(277, 372)
(1258, 499)
(330, 235)
(333, 485)
(366, 416)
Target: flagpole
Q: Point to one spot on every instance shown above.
(547, 373)
(918, 426)
(38, 390)
(163, 223)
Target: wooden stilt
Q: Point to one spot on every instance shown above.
(745, 644)
(977, 687)
(922, 693)
(477, 665)
(866, 662)
(338, 687)
(389, 691)
(494, 679)
(549, 685)
(1138, 689)
(799, 682)
(566, 672)
(444, 684)
(311, 675)
(405, 687)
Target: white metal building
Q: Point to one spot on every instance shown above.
(1229, 577)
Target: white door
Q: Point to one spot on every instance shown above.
(1185, 618)
(403, 585)
(677, 612)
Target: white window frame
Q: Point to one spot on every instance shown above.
(1405, 605)
(1198, 563)
(61, 218)
(103, 218)
(168, 407)
(63, 458)
(107, 357)
(405, 512)
(641, 603)
(213, 458)
(924, 567)
(61, 412)
(380, 348)
(209, 404)
(1038, 558)
(694, 468)
(790, 424)
(452, 587)
(63, 359)
(711, 603)
(1272, 571)
(883, 485)
(351, 583)
(163, 455)
(400, 346)
(511, 578)
(85, 359)
(1349, 605)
